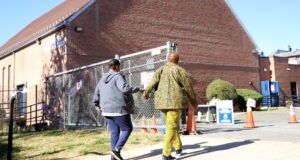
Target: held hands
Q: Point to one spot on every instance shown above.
(146, 97)
(141, 89)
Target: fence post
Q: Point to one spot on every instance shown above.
(64, 106)
(10, 130)
(64, 121)
(168, 47)
(36, 104)
(129, 71)
(46, 90)
(30, 117)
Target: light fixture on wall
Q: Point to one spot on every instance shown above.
(254, 51)
(39, 41)
(78, 29)
(250, 83)
(288, 69)
(265, 69)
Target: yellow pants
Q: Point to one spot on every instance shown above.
(172, 138)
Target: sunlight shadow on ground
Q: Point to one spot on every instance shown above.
(37, 155)
(209, 149)
(157, 152)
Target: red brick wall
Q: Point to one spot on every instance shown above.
(285, 74)
(212, 44)
(264, 69)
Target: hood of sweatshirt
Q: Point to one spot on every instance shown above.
(109, 76)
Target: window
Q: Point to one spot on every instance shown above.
(2, 94)
(21, 98)
(8, 82)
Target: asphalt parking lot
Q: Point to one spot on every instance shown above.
(270, 125)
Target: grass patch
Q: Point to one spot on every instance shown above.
(57, 144)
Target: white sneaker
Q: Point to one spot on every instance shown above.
(178, 153)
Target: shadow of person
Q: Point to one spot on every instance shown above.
(151, 154)
(44, 153)
(192, 146)
(219, 130)
(209, 149)
(95, 153)
(156, 152)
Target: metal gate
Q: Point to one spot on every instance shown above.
(70, 93)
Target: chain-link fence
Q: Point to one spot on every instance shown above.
(70, 94)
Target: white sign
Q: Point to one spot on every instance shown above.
(251, 102)
(224, 110)
(272, 87)
(57, 43)
(79, 85)
(155, 52)
(146, 78)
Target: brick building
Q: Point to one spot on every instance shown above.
(211, 41)
(282, 66)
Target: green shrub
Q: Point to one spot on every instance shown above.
(223, 90)
(239, 104)
(249, 93)
(244, 94)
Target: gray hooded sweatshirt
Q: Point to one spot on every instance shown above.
(113, 94)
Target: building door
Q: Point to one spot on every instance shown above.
(274, 93)
(294, 89)
(21, 99)
(266, 93)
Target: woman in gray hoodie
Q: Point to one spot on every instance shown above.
(113, 96)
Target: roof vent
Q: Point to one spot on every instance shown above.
(290, 48)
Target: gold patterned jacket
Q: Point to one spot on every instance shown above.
(172, 87)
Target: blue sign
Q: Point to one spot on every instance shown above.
(265, 88)
(225, 112)
(275, 87)
(265, 91)
(225, 115)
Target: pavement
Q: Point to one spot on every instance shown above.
(272, 139)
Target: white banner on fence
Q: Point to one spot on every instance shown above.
(146, 78)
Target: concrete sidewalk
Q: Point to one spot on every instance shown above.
(273, 139)
(197, 148)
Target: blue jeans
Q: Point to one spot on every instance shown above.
(117, 124)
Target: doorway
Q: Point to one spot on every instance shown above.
(293, 90)
(21, 100)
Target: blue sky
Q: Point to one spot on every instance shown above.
(272, 24)
(17, 14)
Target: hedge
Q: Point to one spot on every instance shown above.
(223, 90)
(249, 93)
(244, 94)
